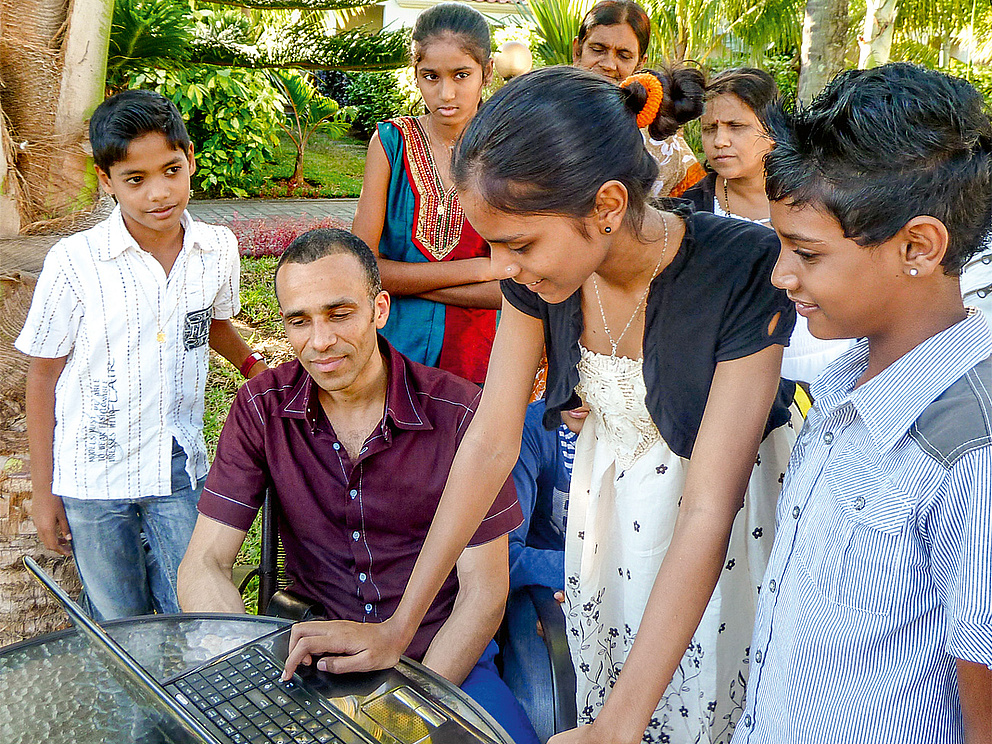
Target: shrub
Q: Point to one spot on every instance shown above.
(259, 237)
(376, 96)
(232, 115)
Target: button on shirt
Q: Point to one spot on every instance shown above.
(352, 530)
(881, 572)
(137, 348)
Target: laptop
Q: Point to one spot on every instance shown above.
(237, 697)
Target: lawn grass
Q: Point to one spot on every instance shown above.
(259, 321)
(335, 165)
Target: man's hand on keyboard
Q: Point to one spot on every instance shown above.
(340, 646)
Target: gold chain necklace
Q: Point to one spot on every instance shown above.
(602, 312)
(437, 136)
(159, 322)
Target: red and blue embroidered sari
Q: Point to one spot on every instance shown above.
(426, 223)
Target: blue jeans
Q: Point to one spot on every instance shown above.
(485, 687)
(128, 550)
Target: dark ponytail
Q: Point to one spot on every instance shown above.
(547, 141)
(684, 90)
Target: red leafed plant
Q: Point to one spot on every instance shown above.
(270, 236)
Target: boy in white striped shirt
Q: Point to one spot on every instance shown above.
(874, 621)
(118, 332)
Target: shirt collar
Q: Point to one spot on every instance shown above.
(892, 401)
(119, 239)
(403, 408)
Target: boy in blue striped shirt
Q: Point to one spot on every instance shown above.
(874, 621)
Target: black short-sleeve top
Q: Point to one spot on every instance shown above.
(714, 302)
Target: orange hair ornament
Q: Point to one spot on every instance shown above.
(656, 94)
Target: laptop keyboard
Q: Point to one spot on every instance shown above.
(243, 697)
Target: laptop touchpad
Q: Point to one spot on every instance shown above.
(405, 715)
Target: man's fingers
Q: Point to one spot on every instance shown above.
(299, 653)
(360, 662)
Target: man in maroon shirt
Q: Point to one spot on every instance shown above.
(355, 442)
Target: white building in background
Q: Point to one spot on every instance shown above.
(394, 14)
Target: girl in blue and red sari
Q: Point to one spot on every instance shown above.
(432, 262)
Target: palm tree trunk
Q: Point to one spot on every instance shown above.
(10, 218)
(84, 75)
(824, 45)
(52, 64)
(297, 179)
(876, 35)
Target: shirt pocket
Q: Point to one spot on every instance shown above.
(855, 556)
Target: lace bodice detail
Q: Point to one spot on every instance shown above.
(615, 391)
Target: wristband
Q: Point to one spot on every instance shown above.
(250, 361)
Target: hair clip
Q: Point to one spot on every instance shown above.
(656, 94)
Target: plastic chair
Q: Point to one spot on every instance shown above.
(274, 599)
(556, 641)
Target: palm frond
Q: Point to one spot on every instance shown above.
(296, 4)
(150, 33)
(699, 29)
(299, 47)
(557, 23)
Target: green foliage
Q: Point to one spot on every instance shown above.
(980, 77)
(557, 23)
(308, 110)
(375, 96)
(232, 116)
(785, 69)
(165, 34)
(700, 29)
(146, 35)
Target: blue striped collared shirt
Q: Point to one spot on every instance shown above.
(881, 573)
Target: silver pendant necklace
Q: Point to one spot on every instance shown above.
(602, 312)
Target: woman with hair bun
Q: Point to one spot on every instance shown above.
(667, 324)
(613, 41)
(735, 142)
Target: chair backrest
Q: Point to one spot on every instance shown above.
(274, 598)
(269, 561)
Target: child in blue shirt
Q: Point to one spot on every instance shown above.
(537, 558)
(874, 621)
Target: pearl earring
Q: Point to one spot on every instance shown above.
(914, 272)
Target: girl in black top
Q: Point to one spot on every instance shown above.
(677, 341)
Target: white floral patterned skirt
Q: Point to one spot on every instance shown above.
(626, 486)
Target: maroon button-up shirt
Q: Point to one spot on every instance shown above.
(352, 531)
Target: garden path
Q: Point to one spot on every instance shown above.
(221, 211)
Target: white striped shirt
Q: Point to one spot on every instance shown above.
(124, 394)
(881, 572)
